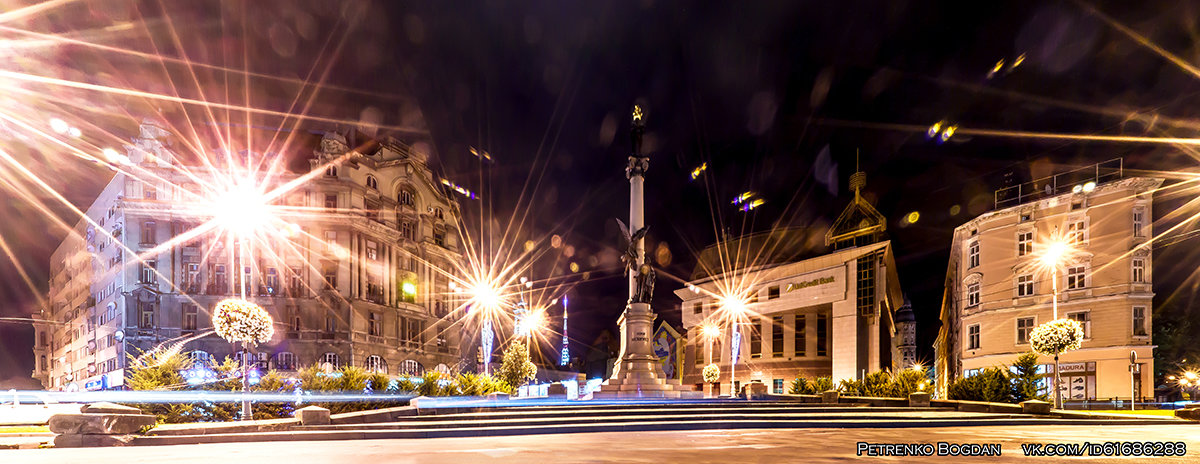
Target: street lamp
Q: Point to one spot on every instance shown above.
(710, 332)
(1055, 255)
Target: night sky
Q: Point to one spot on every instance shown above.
(777, 98)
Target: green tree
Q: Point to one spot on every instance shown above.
(822, 384)
(515, 368)
(1025, 378)
(990, 384)
(800, 386)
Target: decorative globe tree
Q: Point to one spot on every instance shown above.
(240, 321)
(712, 373)
(1054, 338)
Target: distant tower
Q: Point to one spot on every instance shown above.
(566, 352)
(906, 332)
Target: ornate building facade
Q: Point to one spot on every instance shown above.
(361, 278)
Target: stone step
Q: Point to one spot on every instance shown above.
(538, 412)
(469, 421)
(614, 426)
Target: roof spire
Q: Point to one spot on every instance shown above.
(858, 180)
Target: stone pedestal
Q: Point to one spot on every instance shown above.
(636, 372)
(830, 396)
(918, 400)
(312, 415)
(755, 390)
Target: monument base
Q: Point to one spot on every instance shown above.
(636, 373)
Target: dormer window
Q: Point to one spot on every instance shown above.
(438, 213)
(331, 171)
(372, 183)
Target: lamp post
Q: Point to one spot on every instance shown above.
(1058, 250)
(240, 321)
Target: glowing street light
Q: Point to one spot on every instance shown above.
(1055, 253)
(710, 332)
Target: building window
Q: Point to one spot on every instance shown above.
(331, 240)
(1024, 327)
(1139, 321)
(1076, 203)
(1026, 217)
(372, 183)
(777, 386)
(437, 212)
(190, 314)
(372, 250)
(330, 324)
(1139, 270)
(192, 282)
(777, 336)
(331, 277)
(822, 335)
(1025, 285)
(376, 364)
(972, 294)
(285, 360)
(147, 274)
(866, 285)
(773, 292)
(801, 341)
(372, 211)
(149, 193)
(331, 171)
(406, 230)
(405, 198)
(439, 237)
(698, 308)
(756, 340)
(331, 358)
(201, 358)
(373, 323)
(146, 310)
(1076, 232)
(1024, 243)
(272, 280)
(973, 337)
(1076, 277)
(148, 235)
(1139, 220)
(973, 254)
(699, 350)
(1085, 319)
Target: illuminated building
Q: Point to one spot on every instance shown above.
(995, 294)
(826, 316)
(362, 279)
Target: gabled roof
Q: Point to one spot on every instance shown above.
(858, 219)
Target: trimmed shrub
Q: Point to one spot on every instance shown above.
(800, 386)
(990, 384)
(822, 384)
(1025, 378)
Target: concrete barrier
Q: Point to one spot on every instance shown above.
(918, 400)
(313, 415)
(1192, 414)
(1035, 407)
(755, 391)
(98, 424)
(830, 396)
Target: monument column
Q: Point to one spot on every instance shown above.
(636, 371)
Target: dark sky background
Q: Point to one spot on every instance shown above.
(777, 98)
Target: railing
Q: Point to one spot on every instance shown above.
(1063, 182)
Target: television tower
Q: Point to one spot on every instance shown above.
(566, 352)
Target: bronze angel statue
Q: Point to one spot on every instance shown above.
(644, 274)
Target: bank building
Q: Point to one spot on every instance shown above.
(839, 315)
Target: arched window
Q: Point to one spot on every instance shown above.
(201, 358)
(331, 171)
(411, 368)
(285, 360)
(438, 212)
(372, 183)
(376, 364)
(331, 358)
